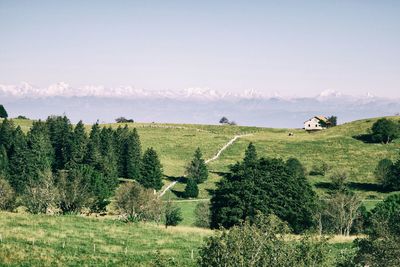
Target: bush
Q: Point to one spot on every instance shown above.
(262, 243)
(382, 247)
(172, 214)
(383, 172)
(385, 131)
(123, 120)
(202, 215)
(138, 203)
(7, 195)
(41, 195)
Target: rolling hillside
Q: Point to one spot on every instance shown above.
(338, 147)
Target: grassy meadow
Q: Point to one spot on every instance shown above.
(44, 240)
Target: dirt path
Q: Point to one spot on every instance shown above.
(208, 160)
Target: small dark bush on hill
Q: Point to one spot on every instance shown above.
(385, 131)
(123, 120)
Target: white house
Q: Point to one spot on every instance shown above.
(316, 123)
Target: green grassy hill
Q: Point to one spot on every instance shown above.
(175, 144)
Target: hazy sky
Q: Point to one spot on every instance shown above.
(291, 47)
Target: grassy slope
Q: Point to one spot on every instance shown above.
(43, 240)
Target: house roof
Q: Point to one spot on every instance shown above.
(321, 118)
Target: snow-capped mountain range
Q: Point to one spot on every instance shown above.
(194, 105)
(62, 89)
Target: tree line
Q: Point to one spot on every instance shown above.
(56, 163)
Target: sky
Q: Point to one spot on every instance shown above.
(297, 48)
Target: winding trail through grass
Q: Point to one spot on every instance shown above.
(215, 157)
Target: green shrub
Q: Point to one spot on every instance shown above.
(202, 215)
(7, 195)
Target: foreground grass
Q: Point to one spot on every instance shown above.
(43, 240)
(40, 240)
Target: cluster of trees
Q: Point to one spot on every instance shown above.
(332, 120)
(123, 120)
(137, 203)
(224, 120)
(266, 185)
(387, 173)
(58, 165)
(265, 241)
(385, 131)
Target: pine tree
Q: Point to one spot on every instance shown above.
(250, 157)
(7, 129)
(78, 144)
(3, 162)
(151, 170)
(60, 131)
(3, 112)
(120, 139)
(18, 161)
(93, 154)
(197, 168)
(131, 155)
(191, 189)
(39, 153)
(109, 166)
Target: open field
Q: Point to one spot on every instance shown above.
(43, 240)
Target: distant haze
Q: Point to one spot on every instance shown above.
(196, 105)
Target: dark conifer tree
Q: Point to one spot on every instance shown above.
(120, 139)
(109, 166)
(93, 153)
(39, 154)
(191, 189)
(197, 168)
(7, 129)
(250, 157)
(3, 112)
(17, 161)
(78, 144)
(60, 131)
(151, 170)
(131, 155)
(3, 163)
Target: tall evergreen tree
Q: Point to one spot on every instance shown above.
(151, 170)
(93, 153)
(3, 162)
(39, 154)
(60, 131)
(120, 138)
(18, 161)
(250, 157)
(197, 168)
(109, 165)
(131, 155)
(191, 189)
(78, 144)
(3, 112)
(7, 129)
